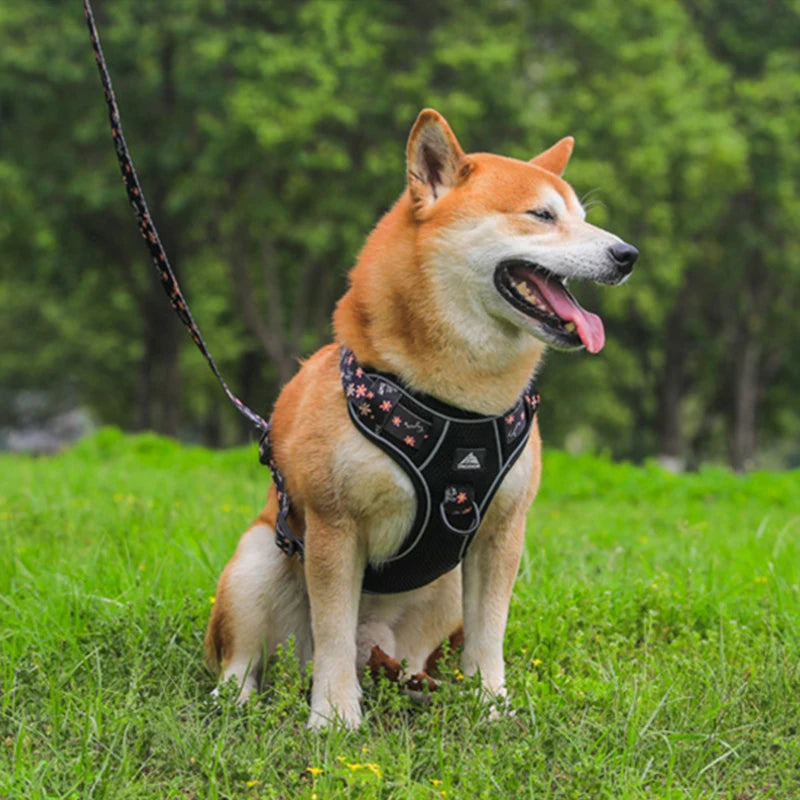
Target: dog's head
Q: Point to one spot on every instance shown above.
(504, 235)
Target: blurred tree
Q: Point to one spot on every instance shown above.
(758, 284)
(270, 136)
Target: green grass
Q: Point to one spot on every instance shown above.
(652, 648)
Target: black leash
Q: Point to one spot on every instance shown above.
(151, 237)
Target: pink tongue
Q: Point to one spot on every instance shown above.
(590, 326)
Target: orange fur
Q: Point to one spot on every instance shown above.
(420, 304)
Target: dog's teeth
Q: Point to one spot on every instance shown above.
(570, 326)
(523, 289)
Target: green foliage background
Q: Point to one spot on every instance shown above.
(269, 137)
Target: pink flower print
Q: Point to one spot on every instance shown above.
(364, 410)
(410, 441)
(359, 372)
(509, 419)
(461, 497)
(361, 390)
(396, 421)
(386, 405)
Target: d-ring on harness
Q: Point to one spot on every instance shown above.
(455, 459)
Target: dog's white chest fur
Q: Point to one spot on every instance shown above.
(376, 492)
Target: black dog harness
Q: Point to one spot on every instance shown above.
(455, 459)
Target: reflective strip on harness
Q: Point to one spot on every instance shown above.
(456, 461)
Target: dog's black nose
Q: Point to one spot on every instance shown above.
(624, 256)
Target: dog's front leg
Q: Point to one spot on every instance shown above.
(488, 575)
(334, 568)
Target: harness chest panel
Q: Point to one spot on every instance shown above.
(456, 461)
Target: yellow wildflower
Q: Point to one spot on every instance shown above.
(212, 599)
(373, 768)
(315, 770)
(536, 662)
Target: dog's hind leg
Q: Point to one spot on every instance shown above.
(260, 603)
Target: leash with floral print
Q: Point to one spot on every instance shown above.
(285, 540)
(148, 229)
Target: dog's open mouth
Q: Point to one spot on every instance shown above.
(541, 295)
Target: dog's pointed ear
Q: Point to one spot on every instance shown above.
(435, 161)
(555, 158)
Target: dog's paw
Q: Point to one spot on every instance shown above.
(231, 691)
(494, 703)
(318, 721)
(420, 687)
(498, 705)
(420, 682)
(502, 711)
(345, 715)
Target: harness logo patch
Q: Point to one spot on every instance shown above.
(470, 459)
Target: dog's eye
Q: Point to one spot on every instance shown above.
(543, 214)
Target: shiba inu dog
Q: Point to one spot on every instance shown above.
(455, 295)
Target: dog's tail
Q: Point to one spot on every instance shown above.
(213, 640)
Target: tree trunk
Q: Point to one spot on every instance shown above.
(158, 393)
(671, 440)
(743, 431)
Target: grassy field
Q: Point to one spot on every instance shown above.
(653, 647)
